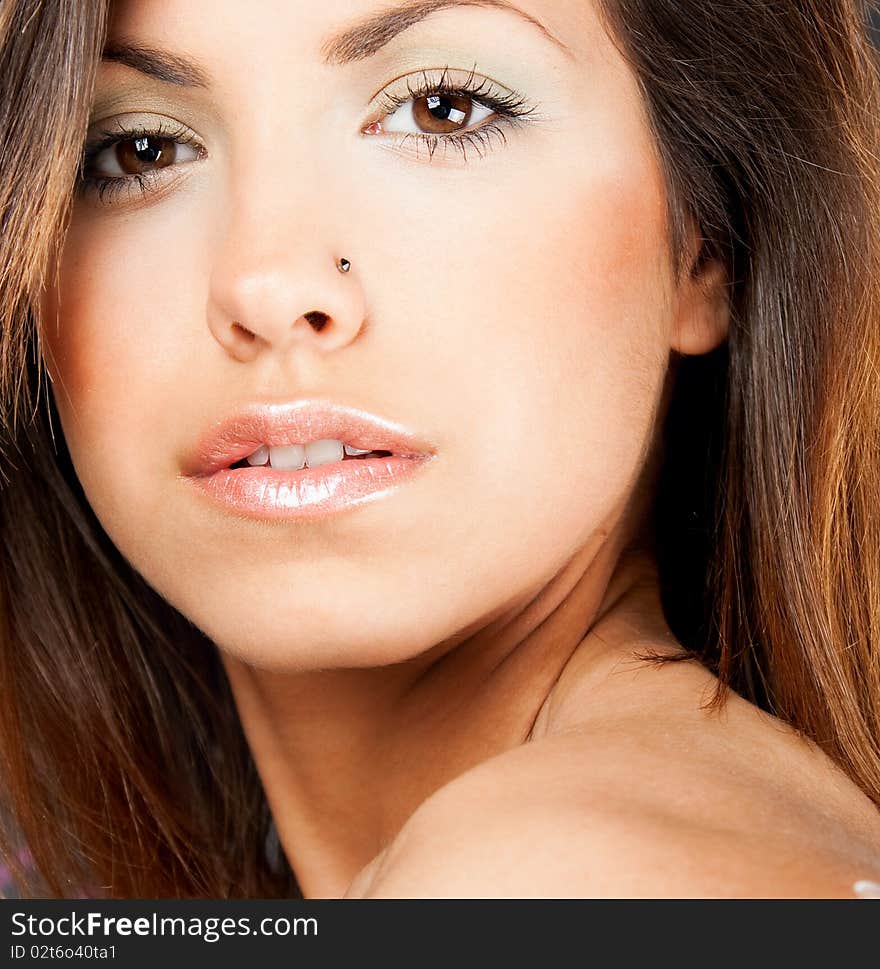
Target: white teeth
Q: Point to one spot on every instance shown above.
(259, 457)
(295, 456)
(323, 452)
(290, 458)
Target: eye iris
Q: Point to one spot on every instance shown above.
(134, 154)
(447, 112)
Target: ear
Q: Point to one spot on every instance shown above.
(702, 304)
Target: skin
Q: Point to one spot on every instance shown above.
(413, 676)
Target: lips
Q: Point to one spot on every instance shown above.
(280, 425)
(216, 467)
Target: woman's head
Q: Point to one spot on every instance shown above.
(513, 299)
(528, 303)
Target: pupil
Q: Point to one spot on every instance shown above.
(145, 152)
(438, 108)
(447, 111)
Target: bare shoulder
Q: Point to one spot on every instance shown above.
(669, 802)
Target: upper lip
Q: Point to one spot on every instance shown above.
(298, 422)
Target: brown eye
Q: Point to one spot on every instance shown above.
(137, 155)
(438, 114)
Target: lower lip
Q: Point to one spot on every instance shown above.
(266, 493)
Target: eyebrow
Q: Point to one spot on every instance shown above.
(356, 42)
(368, 36)
(159, 64)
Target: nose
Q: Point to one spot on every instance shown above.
(295, 299)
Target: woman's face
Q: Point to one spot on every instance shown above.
(511, 301)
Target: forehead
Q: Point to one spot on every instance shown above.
(295, 25)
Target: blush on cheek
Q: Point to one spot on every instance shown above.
(591, 291)
(111, 333)
(592, 276)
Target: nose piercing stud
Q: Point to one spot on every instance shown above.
(343, 265)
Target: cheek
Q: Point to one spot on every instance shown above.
(117, 341)
(555, 347)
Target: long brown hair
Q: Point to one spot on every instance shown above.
(125, 769)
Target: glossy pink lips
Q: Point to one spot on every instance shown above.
(310, 492)
(267, 493)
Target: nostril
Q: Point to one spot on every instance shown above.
(249, 334)
(317, 319)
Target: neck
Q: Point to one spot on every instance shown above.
(346, 755)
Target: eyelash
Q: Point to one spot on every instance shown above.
(107, 187)
(511, 110)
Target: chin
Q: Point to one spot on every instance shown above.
(350, 643)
